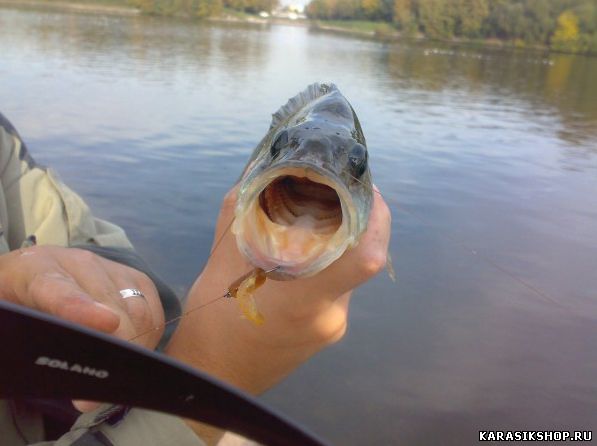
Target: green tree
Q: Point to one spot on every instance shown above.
(506, 20)
(371, 9)
(346, 9)
(256, 6)
(567, 25)
(469, 17)
(436, 19)
(239, 5)
(318, 9)
(386, 10)
(539, 20)
(404, 16)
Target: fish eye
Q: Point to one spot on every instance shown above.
(357, 158)
(280, 142)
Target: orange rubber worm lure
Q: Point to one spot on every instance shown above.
(243, 290)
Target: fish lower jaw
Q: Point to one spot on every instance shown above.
(289, 249)
(295, 250)
(295, 224)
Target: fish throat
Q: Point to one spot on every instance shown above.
(302, 204)
(297, 221)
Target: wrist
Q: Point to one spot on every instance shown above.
(12, 278)
(310, 322)
(218, 341)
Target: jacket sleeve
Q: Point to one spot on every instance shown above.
(108, 426)
(35, 202)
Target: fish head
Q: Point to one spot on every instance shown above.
(305, 196)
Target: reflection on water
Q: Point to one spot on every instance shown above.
(488, 159)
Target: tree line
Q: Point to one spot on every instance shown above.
(201, 8)
(565, 25)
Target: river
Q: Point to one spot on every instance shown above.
(487, 158)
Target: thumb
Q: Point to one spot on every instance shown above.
(85, 406)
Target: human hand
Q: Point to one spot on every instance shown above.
(322, 298)
(82, 287)
(301, 316)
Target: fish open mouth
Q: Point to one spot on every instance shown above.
(301, 204)
(296, 219)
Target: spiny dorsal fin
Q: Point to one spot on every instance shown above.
(297, 102)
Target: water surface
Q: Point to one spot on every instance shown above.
(487, 158)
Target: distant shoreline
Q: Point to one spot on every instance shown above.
(381, 32)
(395, 35)
(96, 8)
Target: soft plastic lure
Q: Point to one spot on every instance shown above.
(243, 290)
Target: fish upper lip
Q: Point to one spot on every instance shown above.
(305, 165)
(257, 185)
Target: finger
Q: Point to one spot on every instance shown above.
(60, 295)
(353, 269)
(103, 279)
(358, 264)
(90, 272)
(85, 406)
(226, 212)
(230, 197)
(139, 312)
(145, 312)
(369, 256)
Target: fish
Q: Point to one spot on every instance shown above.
(306, 192)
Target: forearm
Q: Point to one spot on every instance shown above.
(254, 358)
(302, 316)
(217, 340)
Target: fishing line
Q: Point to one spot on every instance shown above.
(449, 237)
(186, 313)
(469, 249)
(226, 295)
(219, 240)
